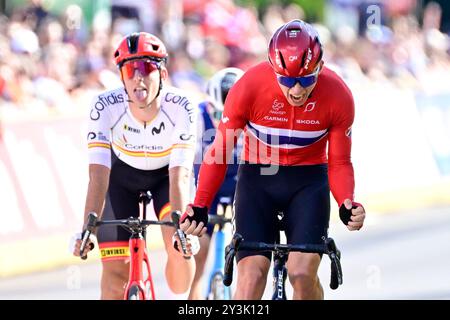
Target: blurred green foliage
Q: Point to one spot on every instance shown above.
(57, 7)
(314, 9)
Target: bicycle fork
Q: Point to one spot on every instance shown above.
(139, 259)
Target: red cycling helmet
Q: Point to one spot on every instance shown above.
(140, 44)
(295, 49)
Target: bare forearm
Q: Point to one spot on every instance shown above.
(179, 188)
(97, 188)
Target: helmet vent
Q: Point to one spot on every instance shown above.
(282, 61)
(133, 42)
(155, 47)
(302, 64)
(316, 39)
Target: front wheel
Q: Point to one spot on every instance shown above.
(135, 293)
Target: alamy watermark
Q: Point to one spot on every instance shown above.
(73, 281)
(373, 21)
(373, 281)
(263, 149)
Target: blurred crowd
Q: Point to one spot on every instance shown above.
(55, 63)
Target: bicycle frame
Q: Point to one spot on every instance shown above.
(139, 257)
(139, 260)
(279, 275)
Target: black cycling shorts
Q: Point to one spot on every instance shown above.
(302, 193)
(122, 201)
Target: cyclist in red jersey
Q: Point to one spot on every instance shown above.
(289, 108)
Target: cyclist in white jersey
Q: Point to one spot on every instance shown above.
(141, 137)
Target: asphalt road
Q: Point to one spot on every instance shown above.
(395, 256)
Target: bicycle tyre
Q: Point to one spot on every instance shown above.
(135, 293)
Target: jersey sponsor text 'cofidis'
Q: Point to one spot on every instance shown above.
(182, 101)
(103, 102)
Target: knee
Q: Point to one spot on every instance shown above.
(252, 275)
(303, 281)
(302, 276)
(113, 284)
(179, 274)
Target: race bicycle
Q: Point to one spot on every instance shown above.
(139, 287)
(281, 253)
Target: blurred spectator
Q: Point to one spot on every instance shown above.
(183, 74)
(273, 19)
(134, 15)
(22, 39)
(34, 13)
(293, 11)
(56, 62)
(432, 16)
(75, 28)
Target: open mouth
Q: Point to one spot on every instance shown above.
(140, 93)
(297, 98)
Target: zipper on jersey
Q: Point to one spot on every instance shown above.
(146, 157)
(291, 127)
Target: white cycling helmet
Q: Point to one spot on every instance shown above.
(219, 85)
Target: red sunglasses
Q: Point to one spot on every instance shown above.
(145, 67)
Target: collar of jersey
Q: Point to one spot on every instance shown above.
(138, 122)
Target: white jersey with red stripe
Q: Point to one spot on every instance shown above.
(169, 139)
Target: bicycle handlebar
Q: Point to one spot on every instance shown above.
(336, 269)
(131, 223)
(328, 247)
(230, 252)
(88, 230)
(217, 219)
(261, 246)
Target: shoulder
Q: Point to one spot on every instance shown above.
(332, 82)
(258, 78)
(175, 96)
(109, 98)
(334, 87)
(112, 102)
(112, 97)
(179, 102)
(262, 69)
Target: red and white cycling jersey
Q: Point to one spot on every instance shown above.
(169, 139)
(276, 132)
